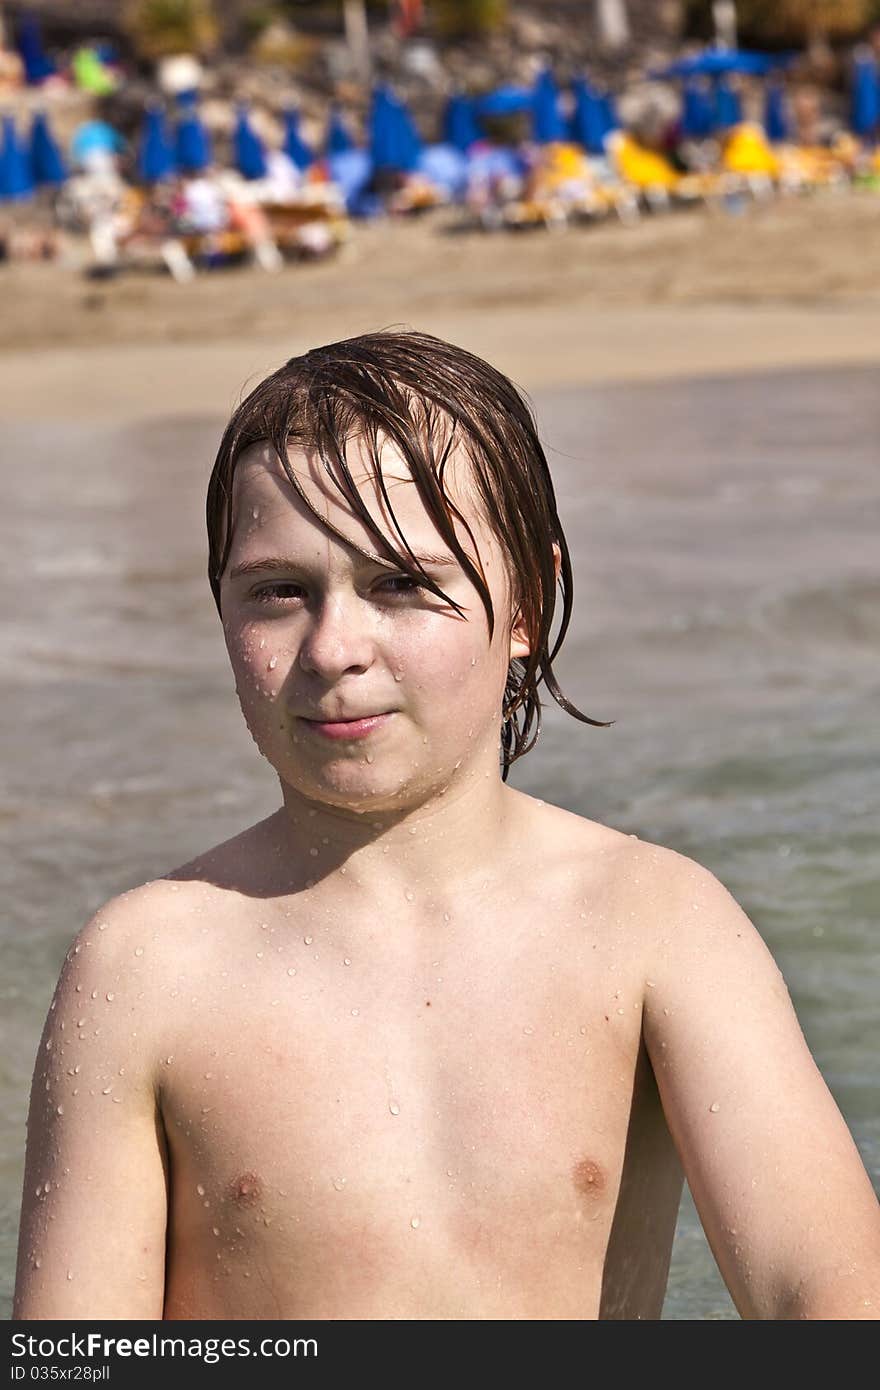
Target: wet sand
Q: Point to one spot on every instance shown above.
(791, 283)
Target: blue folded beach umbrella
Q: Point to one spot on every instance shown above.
(775, 118)
(547, 121)
(697, 113)
(192, 143)
(250, 157)
(338, 138)
(37, 66)
(865, 97)
(382, 131)
(16, 177)
(394, 142)
(294, 146)
(460, 126)
(609, 112)
(588, 125)
(155, 159)
(728, 110)
(46, 162)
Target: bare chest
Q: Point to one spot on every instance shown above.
(448, 1125)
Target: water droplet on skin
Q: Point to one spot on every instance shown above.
(416, 1222)
(110, 998)
(273, 662)
(38, 1264)
(313, 851)
(256, 513)
(410, 897)
(200, 1189)
(94, 994)
(139, 950)
(355, 1012)
(394, 1107)
(215, 1230)
(528, 1029)
(291, 971)
(106, 1091)
(259, 955)
(339, 1183)
(347, 960)
(308, 940)
(70, 1274)
(714, 1107)
(168, 1061)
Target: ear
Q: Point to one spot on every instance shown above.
(519, 639)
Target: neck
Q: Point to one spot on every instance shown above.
(445, 842)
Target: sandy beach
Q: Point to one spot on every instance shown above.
(790, 283)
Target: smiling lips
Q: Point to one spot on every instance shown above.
(348, 728)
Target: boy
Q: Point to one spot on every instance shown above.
(419, 1046)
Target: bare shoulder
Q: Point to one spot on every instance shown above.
(676, 906)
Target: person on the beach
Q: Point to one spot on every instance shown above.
(419, 1046)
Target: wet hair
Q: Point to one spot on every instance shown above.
(426, 397)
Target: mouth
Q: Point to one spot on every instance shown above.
(347, 728)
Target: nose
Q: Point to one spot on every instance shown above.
(339, 638)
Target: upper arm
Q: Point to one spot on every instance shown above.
(782, 1194)
(92, 1236)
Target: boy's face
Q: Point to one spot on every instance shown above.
(316, 632)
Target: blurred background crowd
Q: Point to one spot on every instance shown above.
(189, 134)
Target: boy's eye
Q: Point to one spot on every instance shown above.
(411, 586)
(273, 593)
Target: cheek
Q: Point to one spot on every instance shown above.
(257, 660)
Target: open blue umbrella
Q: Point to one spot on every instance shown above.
(16, 177)
(697, 113)
(37, 66)
(547, 122)
(588, 119)
(46, 162)
(339, 137)
(192, 143)
(504, 101)
(250, 157)
(460, 126)
(155, 160)
(775, 118)
(714, 62)
(865, 97)
(294, 146)
(728, 109)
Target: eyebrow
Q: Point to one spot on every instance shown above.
(266, 564)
